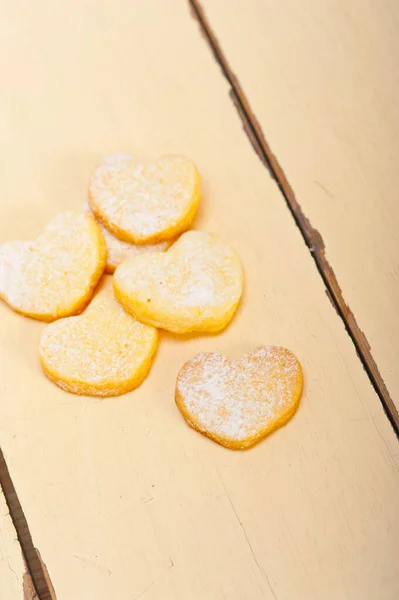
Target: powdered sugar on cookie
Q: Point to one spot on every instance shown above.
(54, 275)
(195, 286)
(145, 204)
(103, 352)
(119, 251)
(237, 403)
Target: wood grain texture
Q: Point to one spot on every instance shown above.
(12, 568)
(321, 79)
(36, 579)
(122, 498)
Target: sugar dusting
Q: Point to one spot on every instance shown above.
(100, 350)
(235, 400)
(143, 200)
(198, 281)
(57, 270)
(119, 251)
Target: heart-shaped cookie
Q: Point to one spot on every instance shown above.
(237, 403)
(145, 204)
(195, 286)
(54, 276)
(118, 251)
(102, 352)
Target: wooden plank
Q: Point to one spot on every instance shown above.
(36, 579)
(14, 583)
(123, 500)
(322, 80)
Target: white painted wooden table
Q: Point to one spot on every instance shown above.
(122, 499)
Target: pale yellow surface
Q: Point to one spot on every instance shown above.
(12, 568)
(122, 498)
(323, 81)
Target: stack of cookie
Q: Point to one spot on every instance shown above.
(165, 277)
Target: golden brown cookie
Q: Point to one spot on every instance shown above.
(54, 276)
(195, 286)
(237, 403)
(102, 352)
(145, 204)
(119, 251)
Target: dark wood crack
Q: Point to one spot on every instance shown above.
(311, 236)
(37, 580)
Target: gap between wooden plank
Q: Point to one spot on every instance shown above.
(311, 236)
(37, 570)
(316, 246)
